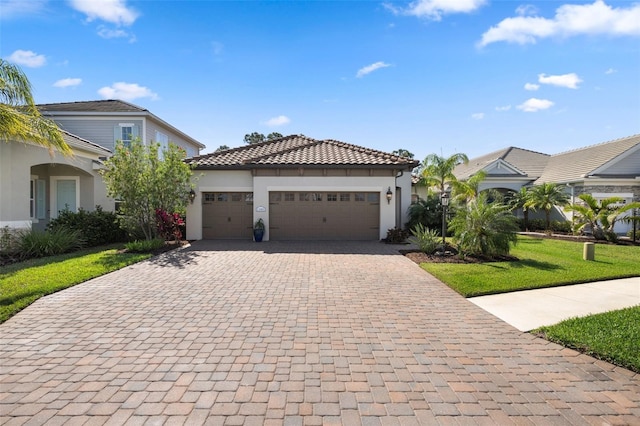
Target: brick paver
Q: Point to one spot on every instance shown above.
(290, 333)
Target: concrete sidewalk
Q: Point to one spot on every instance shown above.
(530, 309)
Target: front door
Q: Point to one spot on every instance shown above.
(66, 195)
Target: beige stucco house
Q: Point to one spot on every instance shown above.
(302, 188)
(35, 185)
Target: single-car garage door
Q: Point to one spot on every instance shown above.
(227, 215)
(324, 215)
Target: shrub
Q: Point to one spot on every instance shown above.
(33, 243)
(484, 229)
(427, 212)
(396, 235)
(169, 225)
(96, 228)
(426, 239)
(8, 241)
(144, 246)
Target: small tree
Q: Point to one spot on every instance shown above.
(520, 200)
(255, 137)
(546, 196)
(426, 212)
(437, 171)
(402, 153)
(601, 216)
(145, 183)
(483, 228)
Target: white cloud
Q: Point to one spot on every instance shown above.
(280, 120)
(570, 20)
(570, 81)
(435, 9)
(534, 104)
(531, 86)
(611, 71)
(126, 92)
(113, 11)
(478, 116)
(27, 58)
(108, 33)
(371, 68)
(13, 8)
(503, 108)
(526, 10)
(68, 82)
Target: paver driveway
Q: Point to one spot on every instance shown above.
(290, 333)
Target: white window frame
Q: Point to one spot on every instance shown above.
(37, 199)
(53, 193)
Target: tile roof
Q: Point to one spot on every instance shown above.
(529, 163)
(584, 162)
(300, 150)
(108, 105)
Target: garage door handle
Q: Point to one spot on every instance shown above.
(228, 219)
(324, 219)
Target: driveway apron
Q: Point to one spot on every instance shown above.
(292, 333)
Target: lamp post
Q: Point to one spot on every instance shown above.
(444, 199)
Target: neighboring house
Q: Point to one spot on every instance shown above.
(302, 188)
(609, 169)
(36, 185)
(106, 121)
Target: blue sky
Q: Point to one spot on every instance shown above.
(429, 76)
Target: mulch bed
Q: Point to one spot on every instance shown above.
(451, 256)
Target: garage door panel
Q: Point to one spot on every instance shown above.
(324, 216)
(227, 215)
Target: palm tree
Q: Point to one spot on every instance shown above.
(520, 200)
(19, 116)
(465, 191)
(437, 171)
(600, 216)
(545, 197)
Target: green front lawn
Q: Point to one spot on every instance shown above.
(23, 283)
(542, 263)
(612, 336)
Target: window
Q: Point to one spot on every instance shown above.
(235, 196)
(373, 197)
(310, 196)
(345, 196)
(208, 196)
(359, 196)
(289, 196)
(37, 194)
(332, 197)
(275, 197)
(222, 196)
(32, 198)
(163, 141)
(125, 132)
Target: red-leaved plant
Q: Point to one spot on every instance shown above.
(169, 225)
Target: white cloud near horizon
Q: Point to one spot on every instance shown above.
(477, 115)
(112, 11)
(435, 9)
(570, 80)
(503, 108)
(127, 92)
(535, 104)
(27, 58)
(531, 86)
(280, 120)
(68, 82)
(611, 71)
(569, 20)
(371, 68)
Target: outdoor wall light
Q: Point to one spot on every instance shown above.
(389, 195)
(192, 195)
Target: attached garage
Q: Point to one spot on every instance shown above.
(324, 215)
(227, 215)
(302, 189)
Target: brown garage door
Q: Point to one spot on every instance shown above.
(227, 215)
(324, 215)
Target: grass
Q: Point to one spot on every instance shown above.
(23, 283)
(542, 263)
(611, 336)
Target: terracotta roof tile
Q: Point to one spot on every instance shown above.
(299, 150)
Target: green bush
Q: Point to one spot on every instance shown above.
(33, 243)
(427, 212)
(144, 246)
(538, 225)
(426, 239)
(8, 241)
(96, 228)
(396, 235)
(484, 229)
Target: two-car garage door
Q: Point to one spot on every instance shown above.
(294, 215)
(324, 215)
